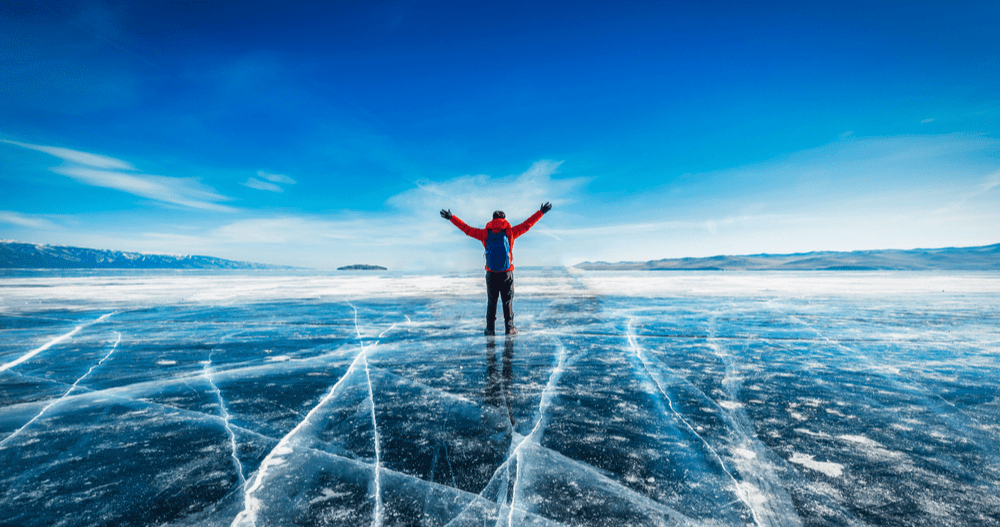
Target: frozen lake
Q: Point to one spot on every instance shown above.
(194, 398)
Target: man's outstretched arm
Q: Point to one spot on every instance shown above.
(479, 234)
(523, 227)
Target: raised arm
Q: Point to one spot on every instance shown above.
(523, 227)
(479, 234)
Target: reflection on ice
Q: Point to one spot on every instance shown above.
(629, 399)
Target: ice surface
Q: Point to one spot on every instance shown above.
(686, 398)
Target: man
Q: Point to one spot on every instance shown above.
(498, 241)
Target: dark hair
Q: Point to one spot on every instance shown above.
(499, 214)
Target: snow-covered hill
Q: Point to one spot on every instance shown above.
(16, 255)
(984, 258)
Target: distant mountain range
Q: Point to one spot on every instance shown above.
(16, 255)
(985, 258)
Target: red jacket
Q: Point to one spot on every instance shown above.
(496, 225)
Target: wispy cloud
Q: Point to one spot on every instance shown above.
(76, 156)
(276, 178)
(665, 227)
(270, 184)
(984, 186)
(473, 197)
(284, 230)
(107, 172)
(990, 182)
(868, 170)
(925, 121)
(178, 191)
(319, 241)
(317, 230)
(262, 185)
(25, 220)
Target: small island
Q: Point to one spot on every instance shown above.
(362, 267)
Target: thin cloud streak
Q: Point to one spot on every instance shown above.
(25, 220)
(284, 230)
(270, 184)
(107, 172)
(710, 225)
(262, 185)
(314, 231)
(178, 191)
(990, 182)
(860, 193)
(985, 186)
(276, 178)
(76, 156)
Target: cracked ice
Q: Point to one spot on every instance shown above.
(628, 399)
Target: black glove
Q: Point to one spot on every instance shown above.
(446, 214)
(546, 207)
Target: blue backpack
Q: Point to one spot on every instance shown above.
(497, 250)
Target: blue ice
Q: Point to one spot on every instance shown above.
(688, 398)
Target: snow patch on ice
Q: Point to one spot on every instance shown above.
(797, 416)
(814, 434)
(833, 470)
(328, 494)
(873, 449)
(862, 440)
(753, 494)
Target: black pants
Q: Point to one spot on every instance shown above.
(502, 285)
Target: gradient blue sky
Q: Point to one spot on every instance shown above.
(327, 134)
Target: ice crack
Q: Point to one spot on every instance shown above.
(53, 342)
(516, 455)
(535, 436)
(378, 454)
(377, 520)
(740, 491)
(251, 505)
(69, 391)
(225, 419)
(274, 458)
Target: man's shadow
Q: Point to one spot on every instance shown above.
(498, 383)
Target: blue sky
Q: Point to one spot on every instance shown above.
(328, 134)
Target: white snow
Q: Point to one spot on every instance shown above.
(834, 470)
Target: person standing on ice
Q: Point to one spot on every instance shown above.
(498, 240)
